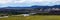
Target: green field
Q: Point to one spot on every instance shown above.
(41, 17)
(3, 18)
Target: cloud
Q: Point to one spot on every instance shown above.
(47, 2)
(5, 1)
(19, 1)
(29, 2)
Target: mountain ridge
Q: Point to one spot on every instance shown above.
(36, 6)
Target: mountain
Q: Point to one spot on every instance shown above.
(33, 7)
(57, 6)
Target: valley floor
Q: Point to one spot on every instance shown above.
(41, 17)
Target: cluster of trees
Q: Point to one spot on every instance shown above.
(12, 12)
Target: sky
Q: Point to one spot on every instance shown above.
(27, 3)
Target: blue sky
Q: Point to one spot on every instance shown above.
(24, 3)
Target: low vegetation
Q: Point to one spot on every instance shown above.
(3, 18)
(41, 17)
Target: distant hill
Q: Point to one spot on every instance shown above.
(55, 6)
(34, 6)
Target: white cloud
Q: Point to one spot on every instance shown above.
(30, 2)
(5, 1)
(19, 1)
(47, 2)
(11, 1)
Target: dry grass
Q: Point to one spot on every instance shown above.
(54, 17)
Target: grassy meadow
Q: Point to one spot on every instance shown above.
(3, 18)
(41, 17)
